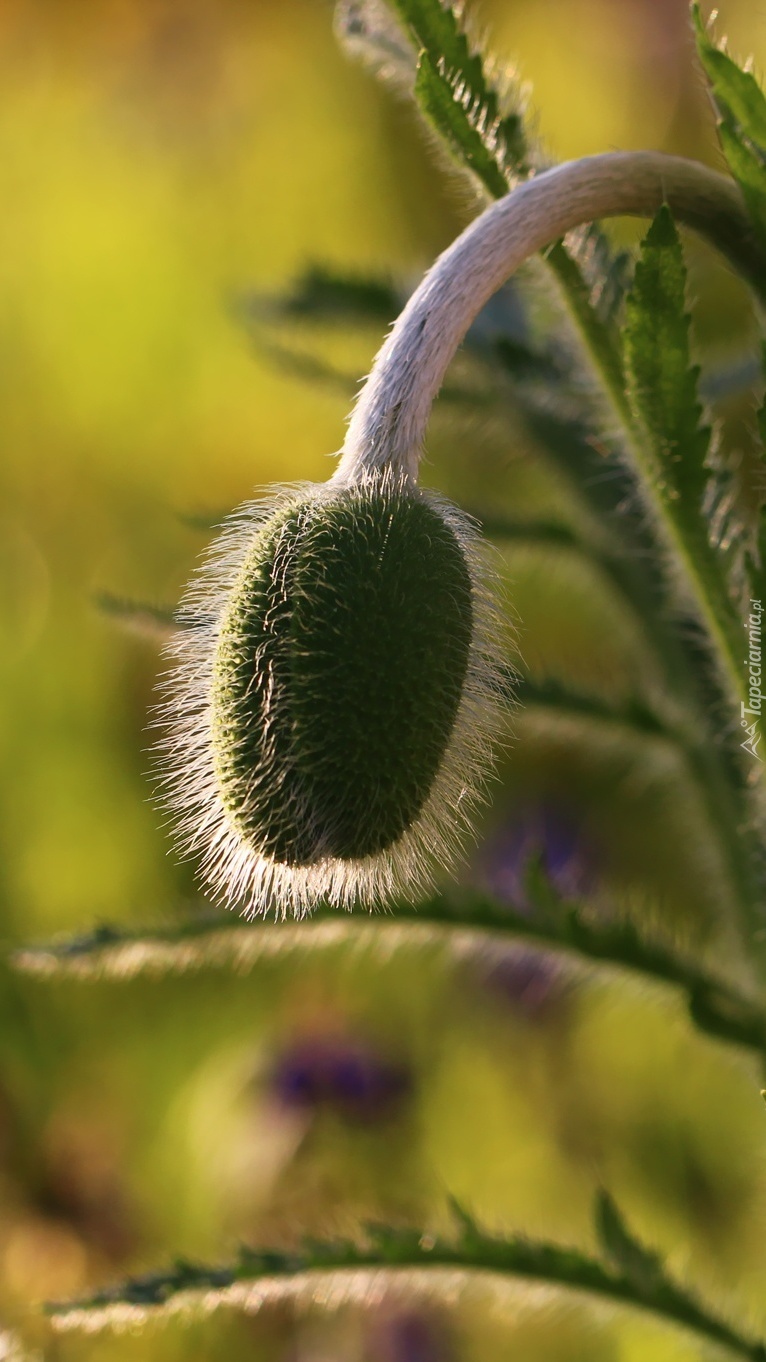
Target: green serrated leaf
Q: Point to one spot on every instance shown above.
(741, 106)
(662, 389)
(749, 171)
(449, 119)
(407, 1251)
(639, 1264)
(457, 97)
(219, 941)
(436, 28)
(662, 380)
(736, 92)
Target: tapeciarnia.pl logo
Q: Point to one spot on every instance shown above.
(752, 710)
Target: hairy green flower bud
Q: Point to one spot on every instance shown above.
(338, 672)
(337, 690)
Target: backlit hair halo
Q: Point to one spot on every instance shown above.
(332, 705)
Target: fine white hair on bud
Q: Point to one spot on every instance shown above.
(335, 696)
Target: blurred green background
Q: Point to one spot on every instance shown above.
(157, 159)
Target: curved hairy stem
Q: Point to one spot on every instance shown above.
(390, 419)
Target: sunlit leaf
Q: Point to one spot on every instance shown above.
(461, 100)
(453, 924)
(662, 385)
(735, 91)
(449, 118)
(741, 107)
(662, 378)
(258, 1278)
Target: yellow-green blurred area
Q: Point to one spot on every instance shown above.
(158, 160)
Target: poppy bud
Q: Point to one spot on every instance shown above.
(337, 690)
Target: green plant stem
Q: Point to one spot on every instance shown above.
(728, 817)
(215, 941)
(399, 1252)
(600, 346)
(497, 169)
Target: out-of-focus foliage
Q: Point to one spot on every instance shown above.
(160, 164)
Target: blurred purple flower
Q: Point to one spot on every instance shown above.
(410, 1335)
(351, 1077)
(534, 981)
(545, 833)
